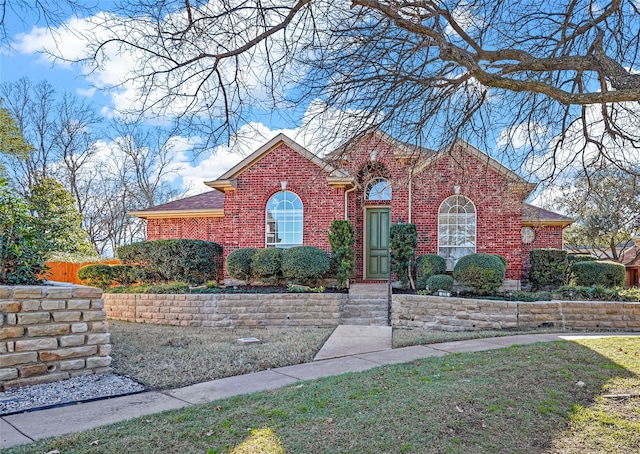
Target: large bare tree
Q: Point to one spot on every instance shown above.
(559, 75)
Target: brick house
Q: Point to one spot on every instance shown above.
(461, 200)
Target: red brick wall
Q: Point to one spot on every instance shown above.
(208, 229)
(244, 208)
(359, 158)
(545, 237)
(499, 211)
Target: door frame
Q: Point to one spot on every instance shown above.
(365, 230)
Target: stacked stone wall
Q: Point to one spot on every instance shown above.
(50, 333)
(227, 311)
(459, 314)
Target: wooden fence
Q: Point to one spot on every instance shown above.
(68, 271)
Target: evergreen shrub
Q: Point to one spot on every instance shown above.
(192, 261)
(304, 265)
(403, 242)
(96, 275)
(342, 254)
(239, 263)
(439, 282)
(606, 274)
(548, 268)
(428, 265)
(266, 265)
(481, 274)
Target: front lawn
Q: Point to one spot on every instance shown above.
(546, 397)
(164, 356)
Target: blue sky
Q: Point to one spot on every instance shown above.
(24, 59)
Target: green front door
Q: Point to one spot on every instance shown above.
(378, 221)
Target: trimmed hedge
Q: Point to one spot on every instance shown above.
(548, 268)
(192, 261)
(97, 275)
(239, 263)
(572, 259)
(266, 265)
(606, 274)
(481, 274)
(305, 265)
(439, 282)
(428, 265)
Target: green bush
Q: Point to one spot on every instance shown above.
(502, 259)
(570, 277)
(428, 265)
(239, 263)
(23, 248)
(193, 261)
(607, 274)
(127, 274)
(170, 288)
(304, 265)
(266, 265)
(403, 241)
(481, 274)
(548, 268)
(342, 254)
(97, 275)
(439, 282)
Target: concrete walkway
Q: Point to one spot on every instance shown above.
(27, 427)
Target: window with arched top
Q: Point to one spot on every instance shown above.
(284, 216)
(379, 189)
(456, 229)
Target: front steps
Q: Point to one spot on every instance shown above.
(367, 304)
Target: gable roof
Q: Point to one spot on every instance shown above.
(533, 215)
(400, 149)
(480, 155)
(226, 180)
(208, 204)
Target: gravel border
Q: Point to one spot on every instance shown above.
(78, 389)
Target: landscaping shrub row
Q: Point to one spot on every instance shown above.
(161, 261)
(305, 265)
(553, 268)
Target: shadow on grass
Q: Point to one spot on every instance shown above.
(517, 399)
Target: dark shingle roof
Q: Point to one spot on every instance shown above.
(534, 214)
(206, 201)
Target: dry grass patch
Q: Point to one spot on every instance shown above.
(162, 356)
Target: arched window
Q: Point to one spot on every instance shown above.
(379, 189)
(283, 220)
(456, 229)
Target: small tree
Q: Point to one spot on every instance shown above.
(404, 241)
(23, 247)
(58, 218)
(342, 255)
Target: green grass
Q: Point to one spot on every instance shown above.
(513, 400)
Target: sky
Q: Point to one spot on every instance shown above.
(24, 58)
(29, 35)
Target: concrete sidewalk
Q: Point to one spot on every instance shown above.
(30, 426)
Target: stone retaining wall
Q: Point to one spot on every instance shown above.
(459, 314)
(227, 310)
(409, 311)
(50, 333)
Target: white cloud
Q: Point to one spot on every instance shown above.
(118, 66)
(318, 133)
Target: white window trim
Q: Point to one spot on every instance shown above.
(475, 226)
(282, 245)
